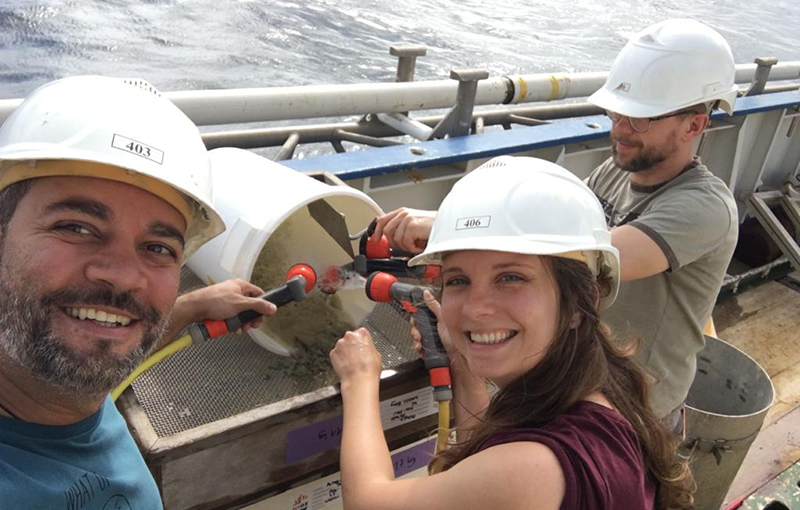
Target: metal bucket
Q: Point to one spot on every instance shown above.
(725, 408)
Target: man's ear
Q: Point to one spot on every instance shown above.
(697, 124)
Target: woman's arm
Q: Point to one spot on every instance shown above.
(514, 475)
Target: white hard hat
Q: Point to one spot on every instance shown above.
(524, 205)
(668, 66)
(123, 130)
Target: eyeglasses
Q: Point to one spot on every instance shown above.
(642, 124)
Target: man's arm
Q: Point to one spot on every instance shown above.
(219, 301)
(640, 256)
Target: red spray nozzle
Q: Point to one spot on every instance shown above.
(432, 272)
(379, 286)
(377, 249)
(306, 271)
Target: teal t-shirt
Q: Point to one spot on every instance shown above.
(91, 465)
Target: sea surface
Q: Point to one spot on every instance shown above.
(196, 44)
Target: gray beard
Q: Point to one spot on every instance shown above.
(27, 338)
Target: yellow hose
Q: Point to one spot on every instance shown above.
(443, 434)
(170, 349)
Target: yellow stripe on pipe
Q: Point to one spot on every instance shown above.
(554, 88)
(523, 89)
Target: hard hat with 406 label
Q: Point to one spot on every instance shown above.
(524, 205)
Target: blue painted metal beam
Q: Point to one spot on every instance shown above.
(365, 163)
(357, 164)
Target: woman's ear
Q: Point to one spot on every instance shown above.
(576, 320)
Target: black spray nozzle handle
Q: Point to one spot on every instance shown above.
(396, 267)
(434, 354)
(293, 290)
(384, 287)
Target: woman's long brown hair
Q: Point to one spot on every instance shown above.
(582, 360)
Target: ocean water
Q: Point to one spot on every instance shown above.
(194, 44)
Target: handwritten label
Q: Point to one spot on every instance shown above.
(414, 458)
(409, 407)
(327, 434)
(326, 493)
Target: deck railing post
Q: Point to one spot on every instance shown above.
(458, 120)
(761, 76)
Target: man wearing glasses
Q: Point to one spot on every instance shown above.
(674, 223)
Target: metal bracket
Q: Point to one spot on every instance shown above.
(458, 120)
(760, 204)
(761, 76)
(714, 447)
(407, 60)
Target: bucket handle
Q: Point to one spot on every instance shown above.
(715, 447)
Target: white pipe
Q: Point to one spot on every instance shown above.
(234, 106)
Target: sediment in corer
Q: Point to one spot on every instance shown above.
(311, 326)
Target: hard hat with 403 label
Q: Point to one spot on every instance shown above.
(123, 130)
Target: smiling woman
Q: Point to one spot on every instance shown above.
(527, 265)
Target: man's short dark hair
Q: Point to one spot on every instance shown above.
(9, 200)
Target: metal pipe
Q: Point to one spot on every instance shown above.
(287, 150)
(232, 106)
(527, 121)
(733, 282)
(316, 133)
(364, 139)
(407, 125)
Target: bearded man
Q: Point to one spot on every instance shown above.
(674, 223)
(104, 192)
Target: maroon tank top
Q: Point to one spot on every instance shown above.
(599, 454)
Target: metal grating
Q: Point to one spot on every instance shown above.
(232, 374)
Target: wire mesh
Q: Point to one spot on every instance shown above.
(232, 374)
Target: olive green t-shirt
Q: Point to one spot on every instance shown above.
(693, 219)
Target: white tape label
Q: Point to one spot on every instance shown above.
(140, 149)
(474, 222)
